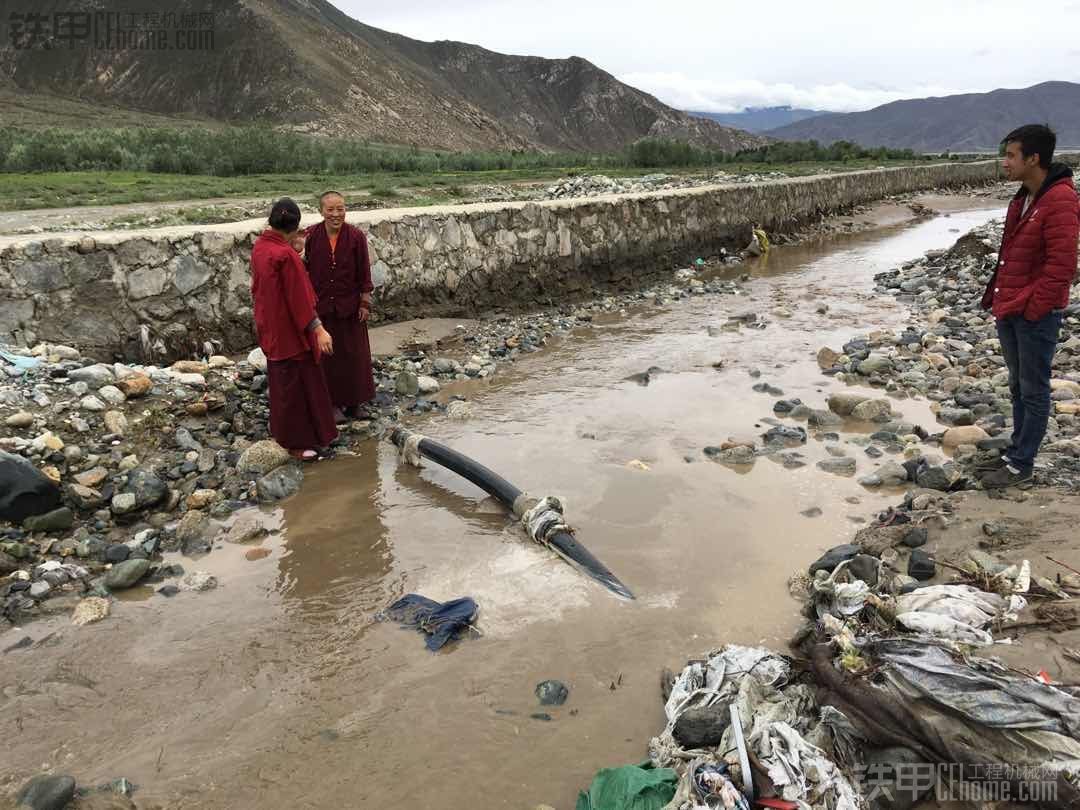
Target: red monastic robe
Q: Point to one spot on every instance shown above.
(301, 414)
(340, 275)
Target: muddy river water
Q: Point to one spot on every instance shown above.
(280, 690)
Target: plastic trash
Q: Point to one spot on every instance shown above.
(19, 361)
(631, 787)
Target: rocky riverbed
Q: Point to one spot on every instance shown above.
(107, 466)
(151, 499)
(950, 355)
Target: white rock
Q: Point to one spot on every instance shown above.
(257, 359)
(47, 441)
(92, 403)
(428, 385)
(198, 581)
(194, 380)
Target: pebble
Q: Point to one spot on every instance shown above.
(90, 610)
(126, 574)
(198, 581)
(22, 419)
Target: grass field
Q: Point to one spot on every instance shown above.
(21, 191)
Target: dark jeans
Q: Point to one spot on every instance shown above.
(1028, 349)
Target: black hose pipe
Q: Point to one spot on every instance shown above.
(562, 543)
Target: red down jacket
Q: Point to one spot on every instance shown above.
(1037, 261)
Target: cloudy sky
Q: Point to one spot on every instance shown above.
(722, 56)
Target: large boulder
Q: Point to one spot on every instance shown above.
(844, 402)
(873, 410)
(874, 364)
(24, 491)
(279, 484)
(262, 457)
(47, 792)
(968, 434)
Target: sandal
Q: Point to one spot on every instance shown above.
(306, 456)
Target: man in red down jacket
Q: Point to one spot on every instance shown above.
(1029, 290)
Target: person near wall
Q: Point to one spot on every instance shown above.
(1029, 290)
(340, 271)
(292, 337)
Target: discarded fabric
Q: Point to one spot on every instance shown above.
(441, 621)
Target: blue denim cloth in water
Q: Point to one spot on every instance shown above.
(441, 621)
(1028, 349)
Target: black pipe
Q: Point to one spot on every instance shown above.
(562, 543)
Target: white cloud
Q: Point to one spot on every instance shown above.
(708, 95)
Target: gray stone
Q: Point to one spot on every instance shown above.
(915, 537)
(864, 567)
(185, 441)
(192, 526)
(838, 466)
(262, 457)
(407, 384)
(246, 528)
(873, 410)
(112, 395)
(126, 574)
(892, 474)
(198, 581)
(257, 359)
(280, 484)
(941, 478)
(956, 416)
(95, 376)
(115, 423)
(14, 313)
(921, 565)
(874, 364)
(40, 277)
(146, 282)
(39, 590)
(189, 274)
(52, 792)
(701, 726)
(123, 503)
(843, 403)
(427, 385)
(822, 418)
(117, 553)
(148, 489)
(55, 521)
(551, 693)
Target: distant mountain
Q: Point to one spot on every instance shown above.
(305, 65)
(967, 122)
(760, 119)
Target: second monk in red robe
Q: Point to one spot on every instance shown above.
(340, 270)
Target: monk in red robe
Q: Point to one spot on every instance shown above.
(340, 270)
(292, 337)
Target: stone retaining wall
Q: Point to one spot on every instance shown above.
(119, 293)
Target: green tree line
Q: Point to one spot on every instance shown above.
(260, 150)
